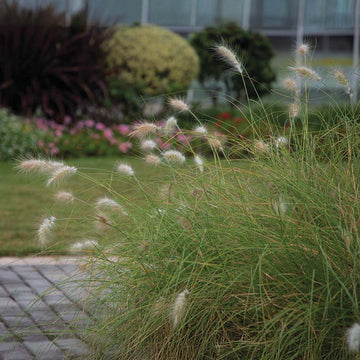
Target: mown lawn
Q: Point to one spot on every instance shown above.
(25, 201)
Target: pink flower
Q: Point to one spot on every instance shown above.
(125, 146)
(89, 123)
(58, 133)
(123, 129)
(54, 150)
(162, 145)
(41, 144)
(41, 124)
(72, 131)
(185, 139)
(67, 120)
(95, 136)
(100, 126)
(108, 134)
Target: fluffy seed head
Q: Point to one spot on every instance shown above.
(178, 308)
(152, 159)
(281, 141)
(306, 73)
(303, 49)
(279, 207)
(110, 204)
(102, 221)
(179, 104)
(64, 196)
(60, 174)
(125, 169)
(45, 230)
(84, 245)
(199, 162)
(353, 338)
(261, 147)
(215, 143)
(229, 56)
(290, 84)
(342, 79)
(174, 156)
(148, 145)
(38, 165)
(144, 129)
(294, 110)
(200, 130)
(170, 125)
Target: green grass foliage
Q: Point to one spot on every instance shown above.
(241, 259)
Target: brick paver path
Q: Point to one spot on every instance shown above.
(42, 313)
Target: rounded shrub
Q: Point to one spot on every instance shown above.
(151, 60)
(255, 53)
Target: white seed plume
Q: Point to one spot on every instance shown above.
(148, 145)
(110, 204)
(306, 73)
(179, 104)
(199, 162)
(144, 129)
(152, 159)
(38, 165)
(179, 306)
(303, 49)
(281, 141)
(353, 338)
(125, 169)
(102, 221)
(174, 156)
(290, 84)
(84, 245)
(45, 230)
(279, 207)
(342, 79)
(200, 130)
(170, 125)
(215, 143)
(261, 147)
(229, 56)
(60, 174)
(64, 196)
(294, 110)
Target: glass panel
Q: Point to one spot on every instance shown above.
(232, 10)
(211, 12)
(279, 14)
(206, 12)
(170, 12)
(340, 14)
(314, 14)
(110, 12)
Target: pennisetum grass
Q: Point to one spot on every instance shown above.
(245, 259)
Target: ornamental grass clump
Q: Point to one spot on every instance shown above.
(244, 259)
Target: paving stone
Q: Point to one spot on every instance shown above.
(27, 272)
(9, 307)
(69, 269)
(17, 289)
(41, 303)
(73, 347)
(5, 335)
(7, 276)
(14, 351)
(44, 350)
(19, 322)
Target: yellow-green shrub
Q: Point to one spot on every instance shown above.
(151, 59)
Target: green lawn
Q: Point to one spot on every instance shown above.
(25, 200)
